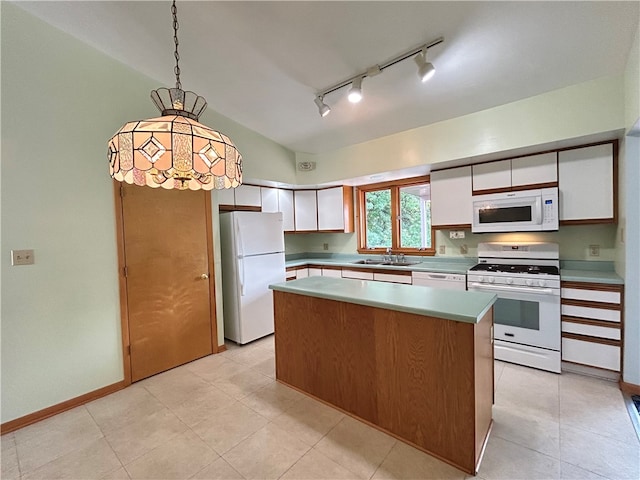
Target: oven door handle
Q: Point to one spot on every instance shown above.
(484, 286)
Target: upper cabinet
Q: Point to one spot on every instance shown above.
(285, 204)
(587, 180)
(335, 209)
(269, 197)
(538, 170)
(247, 196)
(306, 210)
(279, 200)
(492, 175)
(533, 171)
(451, 198)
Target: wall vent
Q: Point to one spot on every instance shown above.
(306, 166)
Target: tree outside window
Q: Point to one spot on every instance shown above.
(396, 216)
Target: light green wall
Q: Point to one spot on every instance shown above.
(632, 84)
(574, 242)
(61, 101)
(60, 317)
(628, 261)
(572, 112)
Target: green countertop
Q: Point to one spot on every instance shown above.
(455, 305)
(573, 271)
(591, 276)
(437, 266)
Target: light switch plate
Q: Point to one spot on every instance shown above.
(22, 257)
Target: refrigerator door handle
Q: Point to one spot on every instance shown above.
(241, 269)
(240, 247)
(240, 244)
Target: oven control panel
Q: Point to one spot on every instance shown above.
(506, 281)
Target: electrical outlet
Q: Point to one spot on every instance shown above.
(442, 249)
(460, 233)
(325, 246)
(453, 234)
(464, 249)
(594, 250)
(22, 257)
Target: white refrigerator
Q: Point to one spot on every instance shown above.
(252, 247)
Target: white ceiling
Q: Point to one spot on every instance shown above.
(261, 63)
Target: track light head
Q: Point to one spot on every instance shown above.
(323, 108)
(425, 69)
(355, 93)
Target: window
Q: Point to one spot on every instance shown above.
(396, 215)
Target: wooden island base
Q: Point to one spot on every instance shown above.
(425, 380)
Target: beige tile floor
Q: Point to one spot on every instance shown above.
(225, 417)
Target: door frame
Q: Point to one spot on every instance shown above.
(122, 280)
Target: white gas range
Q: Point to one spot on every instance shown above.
(526, 279)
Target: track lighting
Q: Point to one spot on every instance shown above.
(355, 93)
(323, 108)
(425, 71)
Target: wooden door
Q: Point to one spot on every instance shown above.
(168, 269)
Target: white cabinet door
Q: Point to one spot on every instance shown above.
(487, 176)
(285, 204)
(331, 272)
(302, 273)
(358, 274)
(586, 183)
(331, 209)
(534, 169)
(451, 197)
(306, 211)
(315, 272)
(269, 198)
(248, 195)
(226, 196)
(392, 277)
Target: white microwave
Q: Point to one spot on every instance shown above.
(523, 211)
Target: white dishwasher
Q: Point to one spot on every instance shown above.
(451, 281)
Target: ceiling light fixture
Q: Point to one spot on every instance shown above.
(419, 54)
(175, 150)
(323, 108)
(355, 93)
(425, 69)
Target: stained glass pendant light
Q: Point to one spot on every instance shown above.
(175, 150)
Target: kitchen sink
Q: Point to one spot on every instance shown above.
(381, 262)
(400, 264)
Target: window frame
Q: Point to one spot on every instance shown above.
(394, 187)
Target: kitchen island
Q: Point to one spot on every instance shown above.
(415, 362)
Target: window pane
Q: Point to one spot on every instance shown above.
(415, 216)
(378, 207)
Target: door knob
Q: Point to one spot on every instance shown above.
(204, 276)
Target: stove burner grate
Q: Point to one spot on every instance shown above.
(528, 269)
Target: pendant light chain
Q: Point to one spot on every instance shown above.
(176, 70)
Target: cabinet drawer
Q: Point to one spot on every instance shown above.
(590, 353)
(358, 274)
(315, 272)
(589, 312)
(291, 274)
(591, 295)
(331, 272)
(391, 277)
(591, 330)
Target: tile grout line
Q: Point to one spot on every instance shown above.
(104, 436)
(384, 459)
